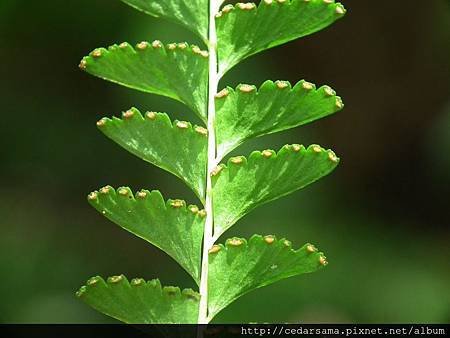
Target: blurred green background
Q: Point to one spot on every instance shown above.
(382, 218)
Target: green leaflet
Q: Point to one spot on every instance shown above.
(170, 226)
(178, 71)
(247, 112)
(240, 267)
(246, 29)
(244, 184)
(141, 302)
(192, 14)
(177, 147)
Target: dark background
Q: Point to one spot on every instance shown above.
(382, 218)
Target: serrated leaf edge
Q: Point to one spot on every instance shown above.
(302, 85)
(181, 126)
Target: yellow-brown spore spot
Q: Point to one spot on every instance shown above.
(196, 49)
(296, 147)
(245, 88)
(329, 91)
(193, 209)
(317, 149)
(216, 170)
(267, 153)
(202, 213)
(141, 194)
(177, 203)
(227, 8)
(97, 53)
(92, 281)
(268, 2)
(93, 196)
(128, 114)
(287, 243)
(214, 249)
(235, 242)
(182, 125)
(223, 93)
(323, 261)
(339, 103)
(311, 248)
(83, 64)
(332, 156)
(137, 282)
(281, 84)
(123, 45)
(307, 85)
(156, 44)
(123, 191)
(172, 46)
(246, 6)
(201, 130)
(237, 160)
(269, 239)
(340, 10)
(328, 1)
(182, 45)
(115, 279)
(142, 45)
(151, 115)
(105, 190)
(101, 122)
(204, 53)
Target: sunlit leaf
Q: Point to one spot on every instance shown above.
(244, 184)
(246, 29)
(177, 147)
(172, 226)
(192, 14)
(247, 112)
(178, 71)
(240, 267)
(141, 302)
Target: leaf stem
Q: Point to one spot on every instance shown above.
(209, 223)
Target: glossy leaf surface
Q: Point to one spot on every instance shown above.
(140, 302)
(192, 14)
(178, 71)
(177, 147)
(239, 267)
(172, 226)
(246, 29)
(246, 112)
(242, 185)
